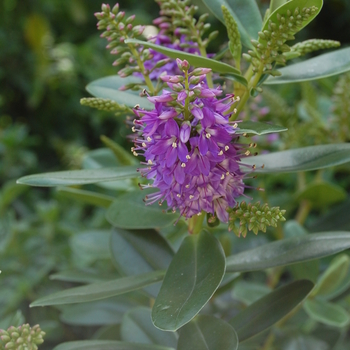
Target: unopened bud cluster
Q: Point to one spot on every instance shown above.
(271, 45)
(104, 104)
(253, 217)
(21, 338)
(311, 45)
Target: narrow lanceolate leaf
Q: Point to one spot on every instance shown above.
(89, 197)
(209, 333)
(194, 60)
(79, 177)
(109, 88)
(130, 212)
(322, 66)
(258, 128)
(300, 159)
(107, 345)
(191, 279)
(289, 251)
(327, 313)
(245, 12)
(270, 309)
(100, 290)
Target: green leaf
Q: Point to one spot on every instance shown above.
(249, 292)
(322, 66)
(129, 211)
(274, 4)
(333, 277)
(301, 159)
(107, 345)
(137, 327)
(289, 251)
(89, 197)
(299, 342)
(270, 309)
(194, 60)
(322, 194)
(140, 251)
(245, 12)
(108, 87)
(326, 313)
(100, 290)
(207, 332)
(192, 278)
(81, 276)
(79, 177)
(258, 128)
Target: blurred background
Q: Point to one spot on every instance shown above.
(49, 51)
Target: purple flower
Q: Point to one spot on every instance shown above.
(191, 150)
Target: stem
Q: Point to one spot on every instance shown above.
(303, 211)
(187, 101)
(203, 52)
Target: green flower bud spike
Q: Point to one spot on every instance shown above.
(253, 217)
(21, 338)
(104, 104)
(312, 45)
(235, 44)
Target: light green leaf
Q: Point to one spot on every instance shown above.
(248, 292)
(209, 333)
(258, 128)
(289, 251)
(270, 309)
(108, 87)
(107, 345)
(89, 197)
(140, 251)
(129, 211)
(305, 343)
(300, 159)
(100, 290)
(192, 278)
(137, 327)
(274, 4)
(81, 276)
(245, 12)
(322, 194)
(326, 313)
(79, 177)
(322, 66)
(194, 60)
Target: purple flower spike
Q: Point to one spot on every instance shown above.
(191, 152)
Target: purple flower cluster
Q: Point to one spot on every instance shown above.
(190, 146)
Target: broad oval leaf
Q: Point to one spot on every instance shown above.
(107, 345)
(322, 66)
(140, 251)
(192, 278)
(274, 4)
(207, 332)
(258, 128)
(108, 87)
(246, 14)
(102, 290)
(289, 251)
(79, 177)
(137, 327)
(327, 313)
(300, 159)
(129, 211)
(268, 310)
(248, 292)
(194, 60)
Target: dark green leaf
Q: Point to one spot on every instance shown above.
(79, 177)
(258, 128)
(289, 251)
(326, 313)
(140, 251)
(301, 159)
(192, 278)
(322, 66)
(137, 327)
(245, 12)
(108, 87)
(249, 292)
(270, 309)
(194, 60)
(209, 333)
(107, 345)
(130, 212)
(89, 197)
(100, 290)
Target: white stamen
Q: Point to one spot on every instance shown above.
(247, 153)
(150, 162)
(227, 148)
(135, 154)
(222, 176)
(228, 173)
(187, 186)
(207, 135)
(235, 125)
(174, 144)
(191, 196)
(178, 195)
(220, 153)
(235, 111)
(133, 129)
(199, 214)
(183, 165)
(149, 139)
(143, 144)
(238, 98)
(188, 157)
